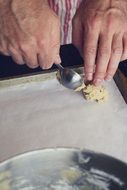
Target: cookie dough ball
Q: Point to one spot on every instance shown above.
(95, 93)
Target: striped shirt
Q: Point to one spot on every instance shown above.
(65, 9)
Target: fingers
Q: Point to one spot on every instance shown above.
(124, 55)
(46, 62)
(89, 54)
(55, 47)
(116, 53)
(3, 46)
(109, 54)
(103, 57)
(57, 59)
(47, 58)
(21, 40)
(104, 40)
(29, 53)
(33, 58)
(30, 59)
(49, 47)
(16, 55)
(77, 35)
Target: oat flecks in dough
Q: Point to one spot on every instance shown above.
(95, 93)
(71, 175)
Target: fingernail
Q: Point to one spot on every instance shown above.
(21, 63)
(57, 60)
(108, 78)
(32, 66)
(97, 82)
(89, 76)
(45, 67)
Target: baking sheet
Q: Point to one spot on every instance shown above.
(45, 114)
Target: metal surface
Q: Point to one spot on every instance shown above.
(69, 78)
(63, 169)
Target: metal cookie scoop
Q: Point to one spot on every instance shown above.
(69, 78)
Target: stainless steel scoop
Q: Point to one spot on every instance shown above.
(69, 78)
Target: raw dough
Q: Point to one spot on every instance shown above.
(95, 93)
(5, 180)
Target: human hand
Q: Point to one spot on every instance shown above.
(100, 34)
(29, 32)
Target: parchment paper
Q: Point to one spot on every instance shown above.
(45, 114)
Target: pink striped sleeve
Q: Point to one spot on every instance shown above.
(65, 9)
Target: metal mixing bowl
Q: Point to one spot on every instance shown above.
(63, 169)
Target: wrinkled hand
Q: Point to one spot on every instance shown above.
(100, 34)
(29, 32)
